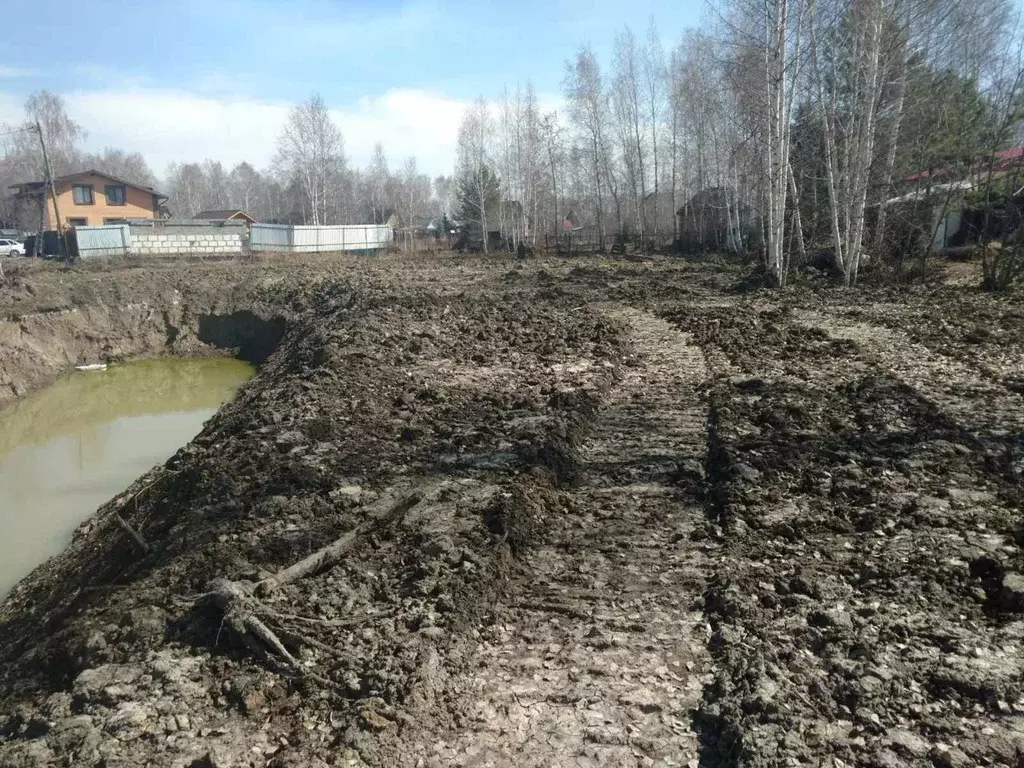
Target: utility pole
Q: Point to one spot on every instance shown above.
(53, 193)
(38, 245)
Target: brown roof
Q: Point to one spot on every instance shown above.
(72, 176)
(223, 215)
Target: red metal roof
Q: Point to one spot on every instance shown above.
(1005, 160)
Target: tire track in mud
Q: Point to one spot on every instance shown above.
(854, 500)
(359, 399)
(600, 658)
(952, 384)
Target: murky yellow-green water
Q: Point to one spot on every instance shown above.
(67, 449)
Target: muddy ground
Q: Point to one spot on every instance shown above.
(580, 513)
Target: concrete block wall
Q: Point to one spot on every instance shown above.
(156, 243)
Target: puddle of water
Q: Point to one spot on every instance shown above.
(68, 449)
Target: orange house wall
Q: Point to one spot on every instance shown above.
(138, 204)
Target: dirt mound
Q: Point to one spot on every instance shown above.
(474, 405)
(474, 511)
(857, 500)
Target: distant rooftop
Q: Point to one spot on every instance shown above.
(224, 215)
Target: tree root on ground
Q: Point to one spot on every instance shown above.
(240, 615)
(246, 615)
(135, 536)
(322, 559)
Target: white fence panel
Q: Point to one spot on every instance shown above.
(311, 239)
(271, 237)
(108, 240)
(316, 239)
(368, 237)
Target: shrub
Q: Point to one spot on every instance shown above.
(1001, 265)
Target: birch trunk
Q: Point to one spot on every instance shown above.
(675, 162)
(866, 141)
(890, 158)
(797, 224)
(777, 136)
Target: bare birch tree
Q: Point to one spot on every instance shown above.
(310, 149)
(378, 184)
(891, 118)
(216, 190)
(676, 138)
(508, 161)
(62, 135)
(775, 28)
(186, 187)
(21, 157)
(588, 113)
(848, 81)
(244, 183)
(552, 144)
(655, 79)
(631, 122)
(697, 89)
(414, 193)
(530, 151)
(478, 191)
(130, 166)
(444, 189)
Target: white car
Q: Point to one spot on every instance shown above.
(11, 248)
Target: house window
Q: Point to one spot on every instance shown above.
(115, 194)
(78, 222)
(115, 221)
(83, 194)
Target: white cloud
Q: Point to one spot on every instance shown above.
(168, 125)
(407, 122)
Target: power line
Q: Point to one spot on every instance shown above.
(28, 129)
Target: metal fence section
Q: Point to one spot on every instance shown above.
(108, 240)
(311, 239)
(270, 237)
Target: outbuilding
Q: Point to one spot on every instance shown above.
(233, 216)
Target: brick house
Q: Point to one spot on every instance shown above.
(92, 198)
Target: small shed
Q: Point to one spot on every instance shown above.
(715, 219)
(234, 216)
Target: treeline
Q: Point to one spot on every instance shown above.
(794, 130)
(308, 182)
(787, 128)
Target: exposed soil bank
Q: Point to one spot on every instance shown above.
(559, 513)
(54, 319)
(375, 395)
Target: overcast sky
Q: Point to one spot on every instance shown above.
(215, 78)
